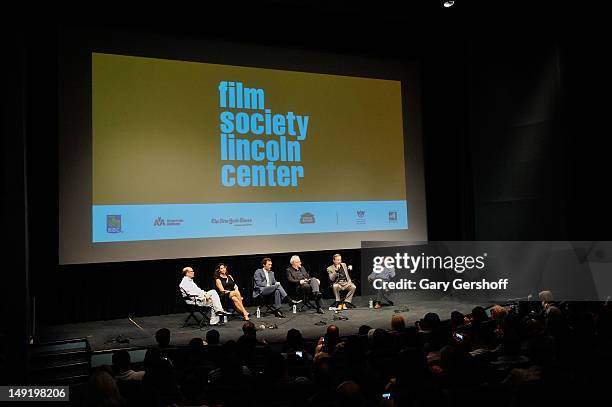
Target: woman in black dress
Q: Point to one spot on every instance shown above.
(226, 286)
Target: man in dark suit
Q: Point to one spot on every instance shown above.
(265, 284)
(297, 274)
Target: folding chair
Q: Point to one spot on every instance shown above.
(190, 305)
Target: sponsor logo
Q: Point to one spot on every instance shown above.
(307, 217)
(113, 223)
(232, 221)
(361, 217)
(392, 216)
(167, 222)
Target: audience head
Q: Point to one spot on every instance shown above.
(457, 319)
(294, 338)
(498, 312)
(398, 323)
(430, 321)
(196, 344)
(248, 329)
(377, 338)
(212, 337)
(333, 332)
(102, 390)
(162, 337)
(364, 329)
(275, 367)
(479, 315)
(348, 393)
(121, 361)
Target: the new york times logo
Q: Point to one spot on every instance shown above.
(411, 263)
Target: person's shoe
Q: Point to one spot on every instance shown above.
(214, 321)
(320, 311)
(223, 312)
(279, 314)
(390, 303)
(377, 306)
(292, 301)
(340, 308)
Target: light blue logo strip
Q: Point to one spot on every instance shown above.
(121, 223)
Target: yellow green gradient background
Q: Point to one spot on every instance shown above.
(156, 136)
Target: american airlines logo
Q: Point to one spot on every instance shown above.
(167, 222)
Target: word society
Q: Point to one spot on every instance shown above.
(251, 132)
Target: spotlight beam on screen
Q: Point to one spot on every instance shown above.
(189, 159)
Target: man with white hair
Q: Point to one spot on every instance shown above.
(204, 298)
(297, 274)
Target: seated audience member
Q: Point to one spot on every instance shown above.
(324, 379)
(478, 316)
(498, 313)
(264, 284)
(349, 394)
(339, 275)
(212, 337)
(227, 287)
(398, 323)
(484, 345)
(162, 337)
(295, 343)
(102, 390)
(121, 367)
(297, 274)
(230, 370)
(364, 329)
(196, 344)
(457, 320)
(329, 342)
(160, 378)
(205, 298)
(287, 389)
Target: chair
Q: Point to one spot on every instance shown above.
(266, 301)
(303, 294)
(227, 304)
(190, 305)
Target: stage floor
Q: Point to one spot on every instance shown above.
(140, 331)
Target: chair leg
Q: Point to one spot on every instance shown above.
(191, 315)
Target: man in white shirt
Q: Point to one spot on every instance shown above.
(205, 298)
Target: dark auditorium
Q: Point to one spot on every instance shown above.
(292, 203)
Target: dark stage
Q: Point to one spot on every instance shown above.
(102, 335)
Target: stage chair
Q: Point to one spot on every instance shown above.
(265, 301)
(228, 304)
(191, 306)
(299, 292)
